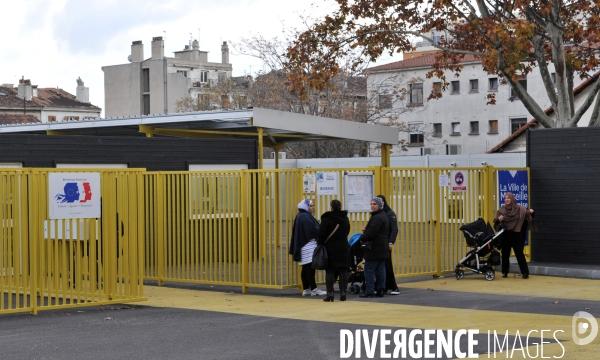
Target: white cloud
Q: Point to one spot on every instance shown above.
(52, 42)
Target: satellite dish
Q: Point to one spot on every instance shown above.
(129, 58)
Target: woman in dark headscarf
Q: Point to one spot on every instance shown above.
(516, 220)
(333, 232)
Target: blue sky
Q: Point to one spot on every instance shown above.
(52, 42)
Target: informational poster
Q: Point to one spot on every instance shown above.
(74, 195)
(514, 181)
(458, 181)
(358, 192)
(327, 183)
(443, 180)
(309, 183)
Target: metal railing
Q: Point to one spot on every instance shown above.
(63, 263)
(210, 227)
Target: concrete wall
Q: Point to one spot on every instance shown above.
(122, 90)
(472, 160)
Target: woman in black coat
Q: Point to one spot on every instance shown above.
(338, 250)
(374, 242)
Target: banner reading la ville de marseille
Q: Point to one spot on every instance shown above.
(74, 195)
(516, 182)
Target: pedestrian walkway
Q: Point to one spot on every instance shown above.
(513, 304)
(564, 270)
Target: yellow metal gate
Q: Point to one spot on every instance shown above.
(233, 227)
(63, 263)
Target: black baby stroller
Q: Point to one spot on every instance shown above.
(356, 275)
(484, 242)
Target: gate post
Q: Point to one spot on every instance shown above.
(436, 229)
(32, 193)
(160, 232)
(244, 236)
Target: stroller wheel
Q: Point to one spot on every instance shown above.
(490, 275)
(354, 289)
(460, 274)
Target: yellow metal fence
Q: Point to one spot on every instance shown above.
(63, 263)
(210, 227)
(233, 227)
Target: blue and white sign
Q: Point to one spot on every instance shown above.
(327, 183)
(516, 182)
(74, 195)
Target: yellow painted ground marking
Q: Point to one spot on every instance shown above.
(535, 286)
(383, 315)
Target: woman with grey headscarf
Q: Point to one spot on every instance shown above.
(303, 244)
(374, 242)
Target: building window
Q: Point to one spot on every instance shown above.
(51, 118)
(553, 77)
(456, 128)
(455, 87)
(145, 80)
(203, 76)
(437, 129)
(437, 88)
(493, 84)
(146, 104)
(385, 101)
(474, 128)
(416, 94)
(416, 136)
(474, 86)
(493, 127)
(182, 72)
(516, 124)
(523, 82)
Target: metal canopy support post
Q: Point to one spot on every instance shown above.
(260, 147)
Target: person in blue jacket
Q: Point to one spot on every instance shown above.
(303, 244)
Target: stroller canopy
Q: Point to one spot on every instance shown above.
(478, 229)
(354, 238)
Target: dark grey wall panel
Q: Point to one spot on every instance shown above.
(156, 153)
(565, 192)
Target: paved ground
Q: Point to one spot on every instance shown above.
(203, 322)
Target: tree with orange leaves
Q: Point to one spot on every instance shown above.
(510, 37)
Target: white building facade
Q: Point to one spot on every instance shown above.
(154, 85)
(460, 122)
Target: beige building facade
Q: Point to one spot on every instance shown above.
(155, 85)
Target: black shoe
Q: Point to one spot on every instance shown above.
(504, 275)
(380, 292)
(329, 297)
(342, 296)
(525, 276)
(366, 295)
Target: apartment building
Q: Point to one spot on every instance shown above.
(154, 85)
(29, 103)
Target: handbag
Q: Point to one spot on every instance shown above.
(320, 254)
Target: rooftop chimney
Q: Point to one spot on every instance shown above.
(137, 51)
(225, 53)
(25, 89)
(83, 93)
(158, 48)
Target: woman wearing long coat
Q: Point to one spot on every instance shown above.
(515, 219)
(374, 240)
(338, 250)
